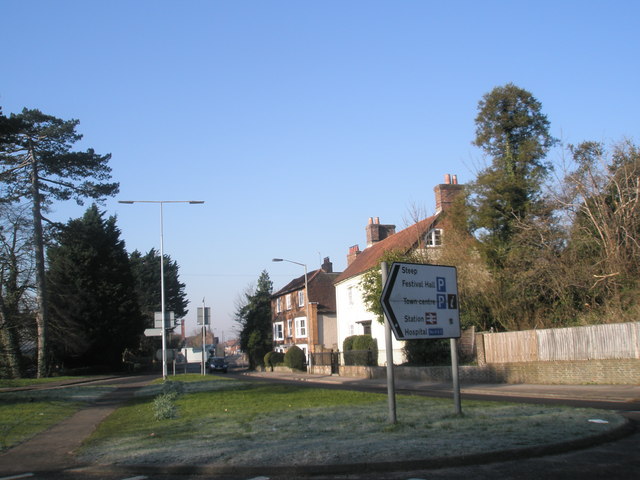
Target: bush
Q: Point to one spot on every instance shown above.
(273, 359)
(360, 350)
(294, 358)
(164, 407)
(428, 352)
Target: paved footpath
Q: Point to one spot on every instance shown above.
(52, 449)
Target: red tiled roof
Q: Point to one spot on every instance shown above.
(404, 241)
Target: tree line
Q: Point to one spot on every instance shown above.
(539, 243)
(536, 243)
(70, 295)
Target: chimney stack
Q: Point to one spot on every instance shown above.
(327, 266)
(377, 232)
(354, 251)
(447, 192)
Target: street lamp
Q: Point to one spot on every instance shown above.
(162, 302)
(306, 294)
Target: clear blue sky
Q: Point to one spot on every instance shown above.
(295, 121)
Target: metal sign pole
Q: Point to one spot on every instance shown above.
(204, 320)
(454, 376)
(391, 387)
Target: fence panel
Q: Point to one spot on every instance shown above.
(594, 342)
(510, 347)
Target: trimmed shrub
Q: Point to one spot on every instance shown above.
(294, 358)
(360, 350)
(273, 359)
(435, 352)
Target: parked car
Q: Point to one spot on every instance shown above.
(217, 364)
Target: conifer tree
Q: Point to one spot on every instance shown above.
(93, 305)
(254, 316)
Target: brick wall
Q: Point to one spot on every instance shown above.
(604, 372)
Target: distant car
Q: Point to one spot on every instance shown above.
(217, 364)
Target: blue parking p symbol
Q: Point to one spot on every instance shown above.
(441, 301)
(441, 284)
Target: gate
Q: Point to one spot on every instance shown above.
(330, 358)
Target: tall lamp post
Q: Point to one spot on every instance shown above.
(306, 293)
(162, 299)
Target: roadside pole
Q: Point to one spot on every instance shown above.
(454, 376)
(391, 387)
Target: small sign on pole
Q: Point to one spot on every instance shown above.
(206, 317)
(169, 319)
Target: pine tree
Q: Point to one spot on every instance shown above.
(38, 164)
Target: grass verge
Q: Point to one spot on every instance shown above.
(230, 422)
(25, 413)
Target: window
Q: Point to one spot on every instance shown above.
(278, 333)
(289, 302)
(289, 328)
(301, 298)
(350, 295)
(434, 237)
(278, 304)
(301, 327)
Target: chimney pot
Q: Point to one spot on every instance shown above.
(447, 178)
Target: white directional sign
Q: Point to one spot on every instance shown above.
(153, 332)
(421, 301)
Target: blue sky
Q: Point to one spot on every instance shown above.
(296, 121)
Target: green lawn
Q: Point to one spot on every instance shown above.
(232, 422)
(25, 382)
(25, 413)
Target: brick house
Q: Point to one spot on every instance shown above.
(312, 332)
(353, 316)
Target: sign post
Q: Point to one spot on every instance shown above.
(421, 302)
(391, 386)
(204, 315)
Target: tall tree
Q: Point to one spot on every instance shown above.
(512, 130)
(16, 279)
(254, 316)
(146, 271)
(94, 308)
(38, 164)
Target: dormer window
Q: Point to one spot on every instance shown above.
(434, 238)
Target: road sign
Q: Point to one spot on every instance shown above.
(207, 315)
(153, 332)
(169, 319)
(421, 301)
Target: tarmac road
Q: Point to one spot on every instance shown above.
(48, 456)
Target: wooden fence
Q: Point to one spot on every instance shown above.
(595, 342)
